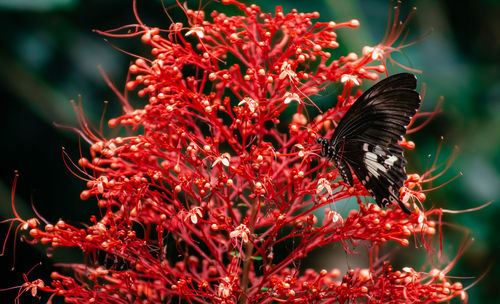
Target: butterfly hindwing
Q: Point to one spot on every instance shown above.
(366, 138)
(382, 172)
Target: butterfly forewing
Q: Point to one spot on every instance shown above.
(366, 138)
(383, 118)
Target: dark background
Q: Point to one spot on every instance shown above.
(49, 55)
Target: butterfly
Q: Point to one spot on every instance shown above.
(366, 138)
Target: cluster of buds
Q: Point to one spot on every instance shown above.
(210, 181)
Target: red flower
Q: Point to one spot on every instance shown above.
(196, 200)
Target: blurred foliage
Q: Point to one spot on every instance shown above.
(38, 5)
(50, 55)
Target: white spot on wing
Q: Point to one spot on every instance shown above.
(373, 166)
(379, 151)
(371, 156)
(391, 160)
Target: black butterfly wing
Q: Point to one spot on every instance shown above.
(366, 138)
(393, 100)
(380, 170)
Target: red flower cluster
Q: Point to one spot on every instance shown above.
(195, 201)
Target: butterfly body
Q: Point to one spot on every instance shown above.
(366, 139)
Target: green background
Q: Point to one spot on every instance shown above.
(49, 55)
